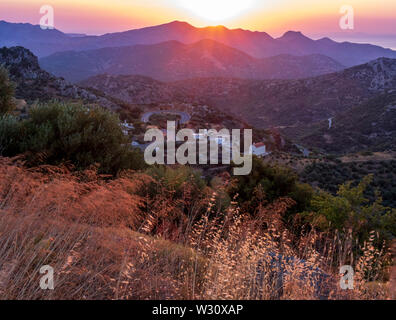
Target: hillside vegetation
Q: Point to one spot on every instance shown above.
(74, 195)
(136, 237)
(329, 175)
(369, 126)
(264, 103)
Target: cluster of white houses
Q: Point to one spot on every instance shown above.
(258, 149)
(126, 127)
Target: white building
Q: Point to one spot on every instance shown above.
(259, 149)
(202, 135)
(126, 127)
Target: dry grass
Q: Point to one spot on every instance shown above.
(115, 239)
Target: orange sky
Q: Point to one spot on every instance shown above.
(275, 17)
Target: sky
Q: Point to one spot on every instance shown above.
(373, 20)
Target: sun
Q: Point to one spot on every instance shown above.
(217, 10)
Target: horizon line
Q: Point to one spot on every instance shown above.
(210, 26)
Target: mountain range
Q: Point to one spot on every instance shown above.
(361, 100)
(291, 83)
(173, 60)
(257, 44)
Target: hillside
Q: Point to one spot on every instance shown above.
(33, 83)
(117, 239)
(75, 195)
(370, 126)
(172, 60)
(256, 44)
(263, 103)
(36, 85)
(328, 176)
(32, 37)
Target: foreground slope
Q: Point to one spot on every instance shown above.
(104, 249)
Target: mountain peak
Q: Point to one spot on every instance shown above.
(293, 35)
(326, 40)
(178, 24)
(20, 60)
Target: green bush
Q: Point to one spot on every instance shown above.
(7, 89)
(331, 176)
(10, 135)
(71, 133)
(351, 210)
(274, 182)
(176, 179)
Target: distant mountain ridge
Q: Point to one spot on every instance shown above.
(173, 60)
(256, 44)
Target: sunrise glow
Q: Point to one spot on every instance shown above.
(312, 17)
(217, 11)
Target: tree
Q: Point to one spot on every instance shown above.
(350, 210)
(271, 183)
(10, 135)
(7, 90)
(74, 133)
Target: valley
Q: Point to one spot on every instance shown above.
(77, 191)
(296, 107)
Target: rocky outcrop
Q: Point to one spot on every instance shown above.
(33, 83)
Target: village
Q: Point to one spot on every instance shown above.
(202, 126)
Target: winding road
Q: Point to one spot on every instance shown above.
(184, 116)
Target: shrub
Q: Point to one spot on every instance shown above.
(7, 89)
(56, 132)
(270, 183)
(350, 210)
(176, 179)
(90, 231)
(10, 134)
